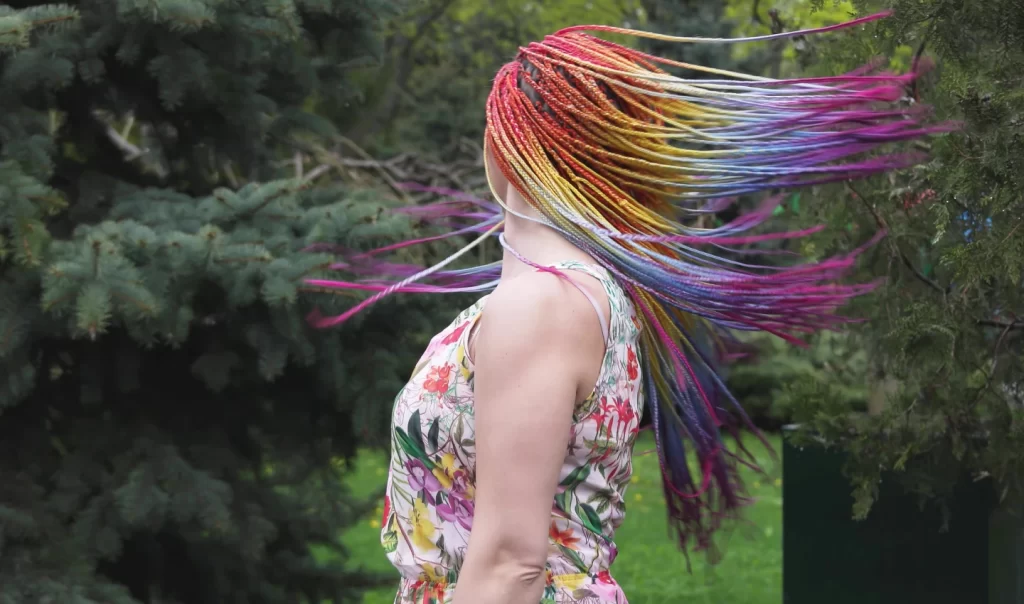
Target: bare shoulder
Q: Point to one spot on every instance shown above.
(538, 311)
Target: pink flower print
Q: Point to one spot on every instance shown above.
(458, 510)
(421, 479)
(462, 486)
(605, 588)
(454, 335)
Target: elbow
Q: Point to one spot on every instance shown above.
(497, 574)
(523, 564)
(527, 572)
(513, 559)
(516, 576)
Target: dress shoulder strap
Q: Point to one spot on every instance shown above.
(593, 270)
(597, 273)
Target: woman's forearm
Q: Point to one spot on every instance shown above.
(499, 584)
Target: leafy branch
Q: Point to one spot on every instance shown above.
(920, 276)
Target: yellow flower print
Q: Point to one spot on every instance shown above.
(430, 572)
(445, 471)
(422, 528)
(573, 582)
(462, 361)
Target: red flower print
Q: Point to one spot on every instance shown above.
(563, 538)
(624, 410)
(607, 408)
(605, 417)
(632, 366)
(387, 511)
(454, 335)
(602, 413)
(433, 591)
(437, 379)
(604, 577)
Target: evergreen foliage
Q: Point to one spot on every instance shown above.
(441, 57)
(171, 429)
(944, 334)
(708, 19)
(764, 381)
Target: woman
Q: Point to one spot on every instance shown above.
(512, 440)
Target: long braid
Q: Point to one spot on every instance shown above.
(616, 153)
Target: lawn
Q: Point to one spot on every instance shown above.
(649, 567)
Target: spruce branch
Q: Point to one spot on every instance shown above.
(999, 323)
(1007, 325)
(334, 159)
(131, 151)
(903, 257)
(229, 173)
(143, 446)
(316, 172)
(990, 374)
(916, 90)
(16, 28)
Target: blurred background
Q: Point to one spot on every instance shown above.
(172, 430)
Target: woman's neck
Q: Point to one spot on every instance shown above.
(533, 240)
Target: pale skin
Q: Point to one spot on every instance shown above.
(537, 352)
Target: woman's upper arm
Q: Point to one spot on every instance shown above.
(528, 357)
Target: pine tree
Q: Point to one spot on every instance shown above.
(943, 334)
(171, 429)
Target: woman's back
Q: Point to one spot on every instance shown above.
(429, 507)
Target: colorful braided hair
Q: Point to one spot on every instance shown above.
(616, 154)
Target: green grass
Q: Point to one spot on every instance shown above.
(649, 567)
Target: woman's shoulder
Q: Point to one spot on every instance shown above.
(539, 302)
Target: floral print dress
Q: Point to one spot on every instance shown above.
(428, 508)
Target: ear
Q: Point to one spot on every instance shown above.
(495, 177)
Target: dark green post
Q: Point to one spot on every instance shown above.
(1006, 556)
(898, 555)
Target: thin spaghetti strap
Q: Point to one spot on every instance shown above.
(557, 270)
(597, 308)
